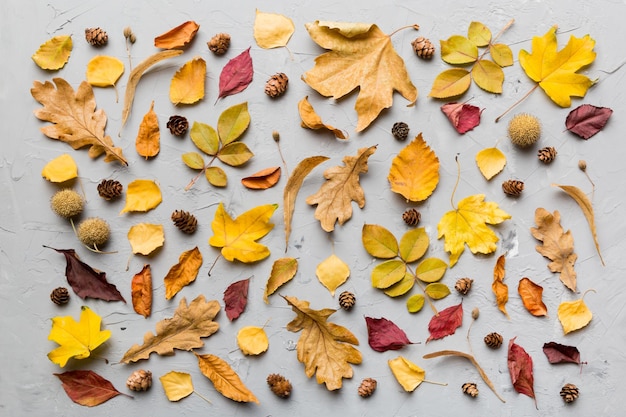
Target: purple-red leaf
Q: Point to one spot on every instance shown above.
(236, 298)
(445, 323)
(587, 120)
(384, 335)
(521, 370)
(464, 117)
(236, 74)
(87, 387)
(86, 281)
(558, 353)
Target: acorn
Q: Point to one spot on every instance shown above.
(67, 203)
(524, 130)
(93, 231)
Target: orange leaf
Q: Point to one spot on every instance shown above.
(531, 294)
(177, 37)
(500, 289)
(148, 138)
(141, 291)
(262, 180)
(183, 273)
(311, 120)
(414, 172)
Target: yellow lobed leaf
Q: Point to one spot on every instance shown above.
(142, 195)
(205, 138)
(332, 272)
(177, 37)
(145, 238)
(499, 288)
(272, 30)
(414, 172)
(187, 85)
(431, 270)
(224, 378)
(479, 34)
(379, 242)
(54, 53)
(104, 71)
(574, 315)
(235, 154)
(415, 303)
(252, 340)
(311, 120)
(414, 244)
(183, 273)
(385, 274)
(283, 271)
(501, 54)
(233, 122)
(458, 49)
(408, 374)
(488, 76)
(193, 160)
(177, 385)
(60, 169)
(491, 162)
(401, 287)
(216, 176)
(451, 83)
(148, 138)
(437, 290)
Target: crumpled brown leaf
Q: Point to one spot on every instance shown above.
(311, 120)
(141, 291)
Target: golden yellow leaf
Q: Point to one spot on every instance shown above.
(54, 53)
(490, 161)
(177, 385)
(415, 303)
(183, 273)
(414, 172)
(408, 374)
(272, 30)
(574, 315)
(224, 378)
(379, 242)
(145, 238)
(60, 169)
(148, 138)
(177, 37)
(458, 49)
(332, 272)
(311, 120)
(414, 244)
(104, 71)
(361, 56)
(216, 176)
(326, 349)
(187, 85)
(142, 195)
(388, 273)
(283, 271)
(488, 76)
(252, 340)
(499, 288)
(431, 270)
(451, 83)
(401, 287)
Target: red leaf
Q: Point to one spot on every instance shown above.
(236, 298)
(86, 281)
(236, 74)
(557, 353)
(87, 387)
(521, 370)
(464, 117)
(587, 120)
(445, 323)
(384, 335)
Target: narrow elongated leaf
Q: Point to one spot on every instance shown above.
(224, 378)
(283, 271)
(445, 323)
(236, 298)
(521, 370)
(558, 353)
(586, 120)
(236, 74)
(148, 138)
(499, 288)
(87, 387)
(379, 242)
(384, 335)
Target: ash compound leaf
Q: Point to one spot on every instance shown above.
(384, 335)
(187, 85)
(379, 242)
(145, 238)
(451, 83)
(531, 295)
(252, 340)
(177, 37)
(54, 53)
(236, 298)
(87, 387)
(408, 374)
(464, 117)
(586, 120)
(233, 122)
(142, 195)
(141, 291)
(332, 272)
(224, 378)
(272, 30)
(491, 162)
(177, 385)
(413, 244)
(236, 75)
(414, 172)
(558, 353)
(446, 322)
(183, 273)
(311, 120)
(499, 288)
(283, 271)
(60, 169)
(520, 365)
(148, 138)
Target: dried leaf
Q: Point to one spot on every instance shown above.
(464, 117)
(388, 273)
(574, 315)
(148, 138)
(384, 335)
(104, 71)
(145, 238)
(177, 37)
(183, 273)
(54, 53)
(488, 76)
(183, 331)
(402, 287)
(491, 162)
(236, 74)
(437, 290)
(451, 83)
(224, 378)
(558, 353)
(499, 288)
(414, 244)
(311, 120)
(187, 85)
(379, 242)
(193, 160)
(272, 30)
(521, 370)
(586, 120)
(216, 176)
(501, 54)
(74, 118)
(479, 34)
(415, 303)
(142, 195)
(233, 122)
(262, 180)
(141, 291)
(408, 374)
(431, 270)
(335, 196)
(446, 322)
(177, 385)
(205, 138)
(283, 271)
(87, 387)
(60, 169)
(236, 298)
(235, 154)
(531, 295)
(414, 172)
(459, 50)
(332, 272)
(252, 340)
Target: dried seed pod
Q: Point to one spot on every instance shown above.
(185, 221)
(463, 285)
(367, 387)
(279, 385)
(93, 231)
(67, 203)
(475, 313)
(219, 43)
(423, 47)
(140, 380)
(177, 125)
(493, 340)
(400, 131)
(60, 296)
(346, 300)
(128, 34)
(96, 36)
(470, 389)
(276, 85)
(513, 188)
(524, 130)
(582, 165)
(569, 393)
(110, 189)
(411, 217)
(547, 154)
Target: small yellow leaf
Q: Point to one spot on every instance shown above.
(252, 340)
(458, 50)
(311, 120)
(332, 272)
(386, 274)
(488, 76)
(60, 169)
(408, 374)
(104, 71)
(205, 138)
(193, 160)
(187, 85)
(414, 172)
(431, 270)
(283, 271)
(401, 287)
(145, 238)
(414, 244)
(235, 154)
(54, 53)
(177, 385)
(574, 315)
(148, 138)
(479, 34)
(415, 303)
(272, 30)
(233, 122)
(216, 176)
(183, 273)
(379, 242)
(501, 54)
(451, 83)
(437, 290)
(224, 378)
(142, 195)
(490, 161)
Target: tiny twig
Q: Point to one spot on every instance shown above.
(418, 282)
(202, 396)
(414, 26)
(276, 137)
(516, 103)
(458, 178)
(214, 262)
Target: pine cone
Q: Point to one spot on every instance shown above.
(400, 131)
(547, 154)
(60, 296)
(96, 36)
(569, 393)
(139, 380)
(219, 43)
(411, 217)
(346, 300)
(367, 387)
(463, 285)
(109, 189)
(470, 389)
(177, 125)
(279, 385)
(493, 340)
(513, 187)
(276, 85)
(423, 48)
(185, 221)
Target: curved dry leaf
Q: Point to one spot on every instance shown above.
(252, 340)
(60, 169)
(520, 365)
(177, 37)
(54, 53)
(499, 288)
(531, 295)
(104, 71)
(148, 138)
(187, 85)
(283, 271)
(145, 238)
(408, 374)
(311, 120)
(558, 353)
(491, 162)
(332, 272)
(141, 291)
(142, 195)
(263, 179)
(414, 172)
(224, 378)
(183, 273)
(464, 117)
(272, 30)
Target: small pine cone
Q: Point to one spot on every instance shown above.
(60, 296)
(279, 385)
(493, 340)
(139, 380)
(569, 393)
(423, 48)
(547, 154)
(463, 285)
(400, 131)
(219, 43)
(276, 85)
(470, 389)
(513, 187)
(185, 221)
(367, 387)
(346, 300)
(411, 217)
(110, 189)
(177, 125)
(96, 36)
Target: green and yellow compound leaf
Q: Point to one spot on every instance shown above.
(401, 287)
(385, 274)
(437, 290)
(415, 303)
(205, 138)
(233, 122)
(431, 270)
(379, 242)
(414, 244)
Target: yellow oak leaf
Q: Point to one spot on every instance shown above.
(574, 315)
(183, 273)
(272, 30)
(326, 349)
(224, 378)
(499, 288)
(148, 138)
(361, 56)
(414, 172)
(54, 53)
(408, 374)
(283, 271)
(177, 385)
(467, 224)
(556, 71)
(145, 238)
(104, 71)
(187, 85)
(237, 237)
(332, 272)
(142, 195)
(60, 169)
(311, 120)
(252, 340)
(335, 196)
(490, 161)
(76, 339)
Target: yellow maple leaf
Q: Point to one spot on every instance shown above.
(332, 272)
(574, 315)
(361, 56)
(145, 238)
(467, 224)
(252, 340)
(54, 53)
(104, 71)
(77, 339)
(414, 172)
(142, 195)
(237, 237)
(224, 378)
(60, 169)
(187, 85)
(272, 30)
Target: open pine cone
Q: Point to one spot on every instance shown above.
(279, 385)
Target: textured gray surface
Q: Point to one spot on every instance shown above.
(29, 272)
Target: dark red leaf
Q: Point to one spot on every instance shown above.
(521, 370)
(587, 120)
(236, 74)
(236, 298)
(384, 335)
(87, 387)
(86, 281)
(558, 353)
(464, 117)
(445, 323)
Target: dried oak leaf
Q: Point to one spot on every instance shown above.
(183, 331)
(335, 196)
(324, 348)
(414, 172)
(521, 370)
(384, 335)
(183, 273)
(177, 37)
(361, 56)
(586, 120)
(141, 291)
(446, 322)
(236, 298)
(74, 118)
(87, 387)
(224, 378)
(558, 353)
(499, 288)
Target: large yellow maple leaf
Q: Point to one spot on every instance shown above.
(361, 55)
(467, 224)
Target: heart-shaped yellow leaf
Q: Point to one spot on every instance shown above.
(145, 238)
(142, 195)
(177, 385)
(490, 161)
(414, 172)
(104, 71)
(252, 340)
(332, 272)
(187, 85)
(60, 169)
(272, 30)
(54, 53)
(574, 315)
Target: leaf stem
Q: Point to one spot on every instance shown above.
(202, 171)
(508, 25)
(458, 178)
(517, 103)
(419, 284)
(214, 262)
(202, 396)
(414, 26)
(444, 384)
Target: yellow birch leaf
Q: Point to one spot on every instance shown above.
(104, 71)
(148, 138)
(414, 244)
(437, 290)
(54, 53)
(499, 288)
(252, 340)
(283, 271)
(332, 272)
(272, 30)
(311, 120)
(183, 273)
(479, 34)
(415, 303)
(408, 374)
(177, 385)
(60, 169)
(414, 172)
(488, 76)
(431, 270)
(501, 54)
(490, 161)
(187, 85)
(216, 176)
(379, 242)
(224, 378)
(233, 122)
(385, 274)
(145, 238)
(401, 287)
(177, 37)
(458, 50)
(574, 315)
(142, 195)
(451, 83)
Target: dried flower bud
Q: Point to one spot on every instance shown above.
(475, 313)
(93, 231)
(128, 34)
(276, 136)
(582, 165)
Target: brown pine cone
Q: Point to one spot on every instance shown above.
(513, 187)
(139, 380)
(346, 300)
(400, 131)
(60, 296)
(367, 387)
(411, 217)
(569, 393)
(279, 385)
(96, 36)
(463, 285)
(423, 48)
(276, 85)
(493, 340)
(219, 43)
(470, 389)
(185, 221)
(110, 189)
(547, 154)
(177, 125)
